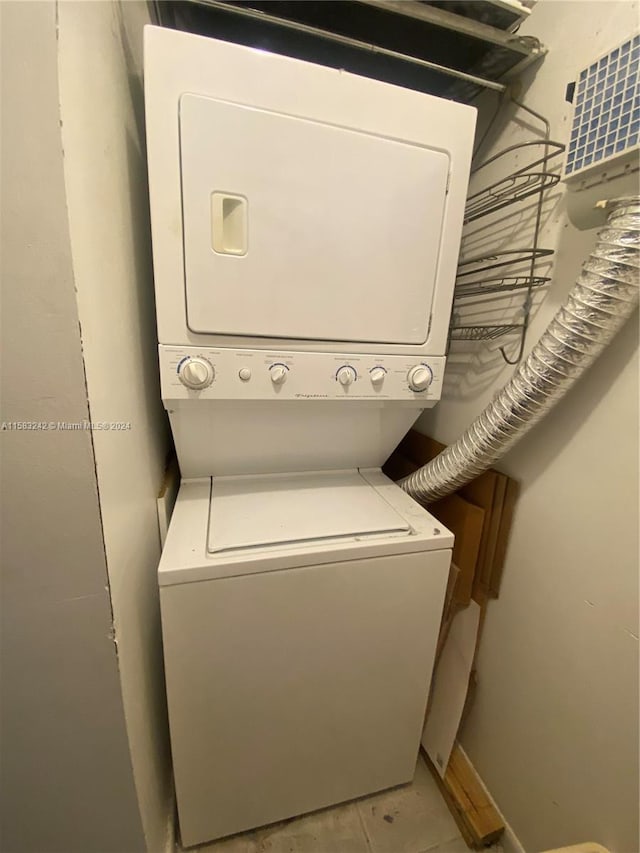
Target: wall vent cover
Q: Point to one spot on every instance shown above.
(606, 117)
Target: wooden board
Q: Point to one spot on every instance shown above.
(449, 610)
(398, 466)
(479, 813)
(487, 491)
(512, 492)
(477, 818)
(481, 492)
(167, 497)
(466, 522)
(451, 804)
(494, 528)
(493, 492)
(419, 448)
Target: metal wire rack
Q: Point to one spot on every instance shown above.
(483, 333)
(497, 260)
(526, 181)
(504, 284)
(504, 272)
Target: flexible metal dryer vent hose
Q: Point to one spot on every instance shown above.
(602, 299)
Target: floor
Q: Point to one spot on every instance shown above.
(410, 819)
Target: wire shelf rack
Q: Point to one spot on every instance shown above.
(504, 284)
(512, 270)
(497, 260)
(483, 333)
(519, 184)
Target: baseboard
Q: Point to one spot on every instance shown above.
(170, 838)
(509, 841)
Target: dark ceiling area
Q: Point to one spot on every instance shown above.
(384, 39)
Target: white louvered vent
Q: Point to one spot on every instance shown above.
(606, 118)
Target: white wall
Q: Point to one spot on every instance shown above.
(66, 781)
(554, 729)
(101, 108)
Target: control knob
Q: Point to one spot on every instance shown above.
(377, 375)
(419, 377)
(278, 374)
(196, 373)
(346, 376)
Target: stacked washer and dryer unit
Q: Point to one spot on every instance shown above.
(306, 225)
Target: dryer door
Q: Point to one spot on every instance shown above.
(302, 230)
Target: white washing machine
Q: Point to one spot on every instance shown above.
(299, 616)
(306, 225)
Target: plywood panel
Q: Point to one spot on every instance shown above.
(466, 522)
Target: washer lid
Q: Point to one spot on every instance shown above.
(275, 509)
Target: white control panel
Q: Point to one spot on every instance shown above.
(228, 374)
